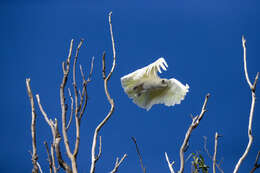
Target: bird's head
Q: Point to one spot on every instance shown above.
(165, 82)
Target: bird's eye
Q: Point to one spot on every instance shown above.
(163, 81)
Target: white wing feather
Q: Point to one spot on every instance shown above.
(170, 96)
(146, 73)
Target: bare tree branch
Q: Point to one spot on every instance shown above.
(139, 155)
(256, 165)
(56, 137)
(62, 163)
(78, 112)
(84, 95)
(169, 163)
(71, 109)
(118, 163)
(53, 159)
(49, 121)
(194, 124)
(79, 107)
(33, 130)
(253, 88)
(245, 64)
(100, 148)
(74, 78)
(206, 150)
(62, 100)
(72, 156)
(76, 149)
(91, 69)
(215, 151)
(113, 47)
(110, 100)
(49, 156)
(39, 166)
(104, 65)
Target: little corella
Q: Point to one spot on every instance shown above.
(146, 88)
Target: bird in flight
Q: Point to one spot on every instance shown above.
(146, 88)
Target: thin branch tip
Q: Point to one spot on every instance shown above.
(139, 155)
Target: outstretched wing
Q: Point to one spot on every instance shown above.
(169, 96)
(141, 75)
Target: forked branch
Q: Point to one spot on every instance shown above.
(194, 124)
(51, 158)
(169, 163)
(95, 157)
(56, 136)
(118, 163)
(79, 101)
(252, 88)
(33, 130)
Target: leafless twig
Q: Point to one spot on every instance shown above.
(206, 150)
(49, 156)
(56, 136)
(63, 106)
(84, 96)
(77, 110)
(194, 124)
(139, 155)
(169, 163)
(118, 163)
(74, 78)
(100, 148)
(53, 159)
(39, 166)
(104, 65)
(253, 88)
(215, 151)
(71, 109)
(256, 165)
(91, 69)
(33, 130)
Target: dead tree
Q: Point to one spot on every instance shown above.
(78, 104)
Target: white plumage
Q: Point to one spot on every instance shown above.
(146, 88)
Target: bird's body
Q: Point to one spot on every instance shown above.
(150, 86)
(146, 88)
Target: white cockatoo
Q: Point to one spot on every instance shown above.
(146, 88)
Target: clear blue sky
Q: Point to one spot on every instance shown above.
(201, 42)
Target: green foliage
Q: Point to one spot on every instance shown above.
(198, 164)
